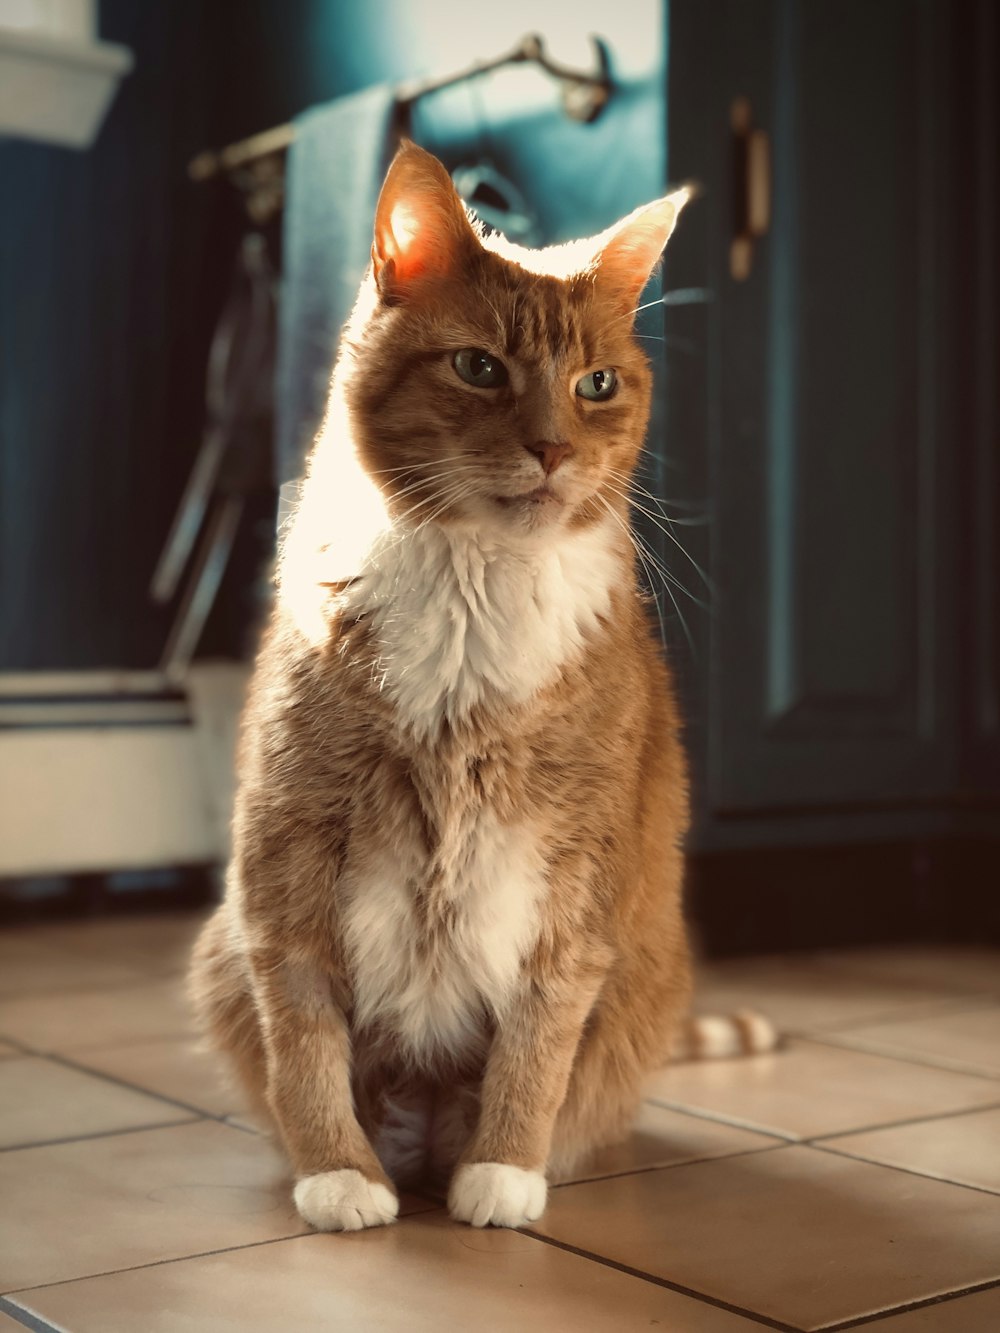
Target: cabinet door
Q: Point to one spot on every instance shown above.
(807, 404)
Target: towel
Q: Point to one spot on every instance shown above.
(336, 165)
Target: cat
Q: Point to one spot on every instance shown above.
(452, 939)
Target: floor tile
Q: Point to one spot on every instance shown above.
(966, 1040)
(665, 1138)
(808, 1089)
(74, 1209)
(176, 1067)
(797, 1234)
(32, 965)
(978, 1312)
(41, 1101)
(800, 995)
(8, 1325)
(420, 1276)
(159, 944)
(963, 969)
(97, 1017)
(6, 1050)
(962, 1148)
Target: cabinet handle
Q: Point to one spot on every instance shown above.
(751, 187)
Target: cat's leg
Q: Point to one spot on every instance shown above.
(221, 993)
(500, 1179)
(603, 1096)
(456, 1111)
(340, 1182)
(630, 1032)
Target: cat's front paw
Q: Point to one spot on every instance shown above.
(494, 1194)
(344, 1201)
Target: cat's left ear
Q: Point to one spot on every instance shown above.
(629, 251)
(421, 227)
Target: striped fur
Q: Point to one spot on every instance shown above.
(722, 1036)
(453, 938)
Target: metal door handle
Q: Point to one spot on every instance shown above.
(752, 187)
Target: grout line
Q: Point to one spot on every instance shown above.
(25, 1317)
(665, 1166)
(70, 1063)
(700, 1296)
(16, 1292)
(101, 1134)
(18, 1045)
(905, 1170)
(957, 1004)
(863, 1321)
(235, 1124)
(901, 1059)
(140, 981)
(731, 1121)
(818, 1139)
(697, 1113)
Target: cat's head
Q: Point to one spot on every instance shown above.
(491, 385)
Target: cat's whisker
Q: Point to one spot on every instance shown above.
(630, 484)
(629, 479)
(648, 305)
(638, 550)
(671, 577)
(429, 483)
(658, 519)
(667, 580)
(436, 463)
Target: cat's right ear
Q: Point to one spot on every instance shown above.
(421, 227)
(630, 250)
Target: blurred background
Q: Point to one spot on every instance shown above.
(187, 190)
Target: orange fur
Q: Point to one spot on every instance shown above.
(501, 792)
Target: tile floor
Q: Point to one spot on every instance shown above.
(853, 1178)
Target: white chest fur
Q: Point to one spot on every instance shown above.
(429, 967)
(459, 616)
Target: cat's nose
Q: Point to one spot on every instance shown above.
(550, 453)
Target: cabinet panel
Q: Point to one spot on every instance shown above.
(824, 680)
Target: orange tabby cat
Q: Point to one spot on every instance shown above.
(452, 938)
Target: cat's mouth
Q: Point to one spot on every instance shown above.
(541, 497)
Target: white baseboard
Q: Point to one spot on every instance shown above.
(106, 771)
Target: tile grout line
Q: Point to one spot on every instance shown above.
(865, 1321)
(104, 1134)
(905, 1170)
(731, 1122)
(667, 1166)
(716, 1118)
(928, 1009)
(70, 1063)
(901, 1059)
(138, 982)
(901, 1124)
(700, 1296)
(787, 1139)
(13, 1293)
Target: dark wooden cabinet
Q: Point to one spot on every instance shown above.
(834, 413)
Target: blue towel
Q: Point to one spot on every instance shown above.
(335, 169)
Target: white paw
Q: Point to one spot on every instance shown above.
(344, 1201)
(493, 1194)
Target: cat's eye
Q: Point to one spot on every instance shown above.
(479, 369)
(598, 385)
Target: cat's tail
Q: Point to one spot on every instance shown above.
(722, 1036)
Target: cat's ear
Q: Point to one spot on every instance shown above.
(421, 227)
(628, 252)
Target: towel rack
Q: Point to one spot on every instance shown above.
(585, 93)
